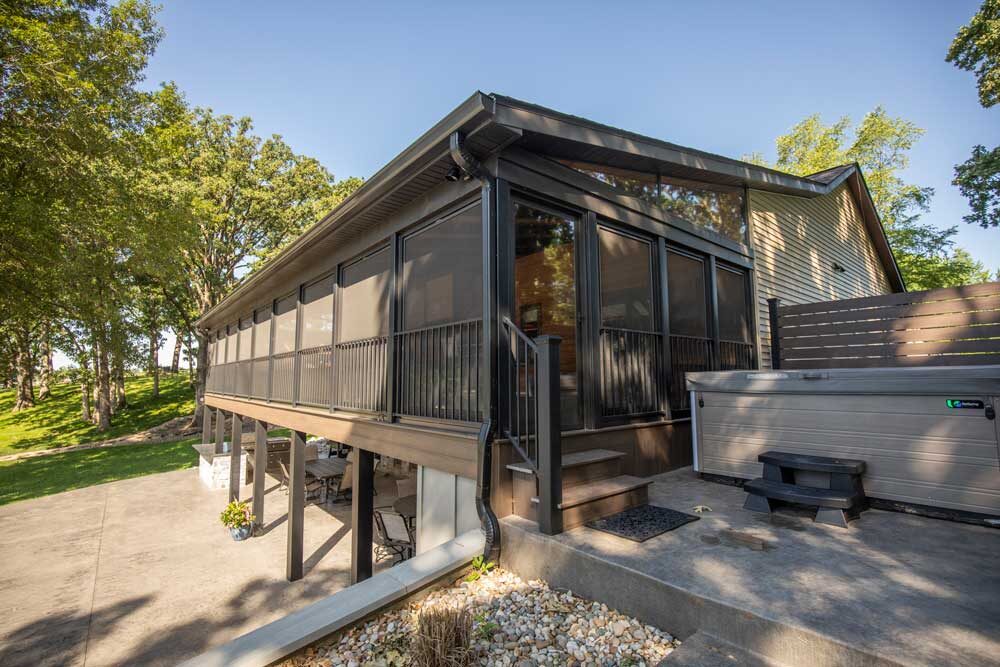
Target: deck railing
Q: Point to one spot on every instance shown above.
(360, 374)
(437, 371)
(688, 354)
(283, 377)
(630, 371)
(735, 355)
(532, 419)
(258, 377)
(315, 376)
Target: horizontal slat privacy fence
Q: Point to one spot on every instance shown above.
(952, 326)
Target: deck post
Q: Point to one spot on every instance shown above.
(235, 453)
(362, 509)
(296, 505)
(206, 425)
(220, 429)
(549, 437)
(772, 314)
(259, 470)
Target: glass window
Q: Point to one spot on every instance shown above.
(443, 272)
(686, 291)
(715, 207)
(545, 290)
(284, 325)
(634, 183)
(734, 318)
(364, 297)
(262, 332)
(231, 343)
(718, 209)
(317, 314)
(626, 279)
(245, 340)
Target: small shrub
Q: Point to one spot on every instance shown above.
(485, 628)
(236, 515)
(443, 638)
(480, 568)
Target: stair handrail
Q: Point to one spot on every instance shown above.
(537, 439)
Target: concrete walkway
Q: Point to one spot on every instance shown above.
(140, 571)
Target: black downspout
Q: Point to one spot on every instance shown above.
(471, 168)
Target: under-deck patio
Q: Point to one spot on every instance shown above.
(892, 589)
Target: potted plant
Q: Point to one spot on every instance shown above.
(238, 519)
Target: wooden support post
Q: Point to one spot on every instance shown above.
(220, 430)
(549, 437)
(259, 470)
(235, 455)
(296, 505)
(362, 510)
(772, 314)
(206, 425)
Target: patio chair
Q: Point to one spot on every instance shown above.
(393, 537)
(314, 487)
(343, 490)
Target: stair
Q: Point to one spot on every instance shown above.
(704, 650)
(593, 487)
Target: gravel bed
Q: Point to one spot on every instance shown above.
(516, 623)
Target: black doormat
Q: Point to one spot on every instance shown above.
(641, 523)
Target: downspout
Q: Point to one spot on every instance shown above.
(467, 167)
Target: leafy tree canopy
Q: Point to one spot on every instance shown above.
(976, 49)
(880, 145)
(978, 178)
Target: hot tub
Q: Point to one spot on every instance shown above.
(929, 435)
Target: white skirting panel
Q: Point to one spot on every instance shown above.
(446, 507)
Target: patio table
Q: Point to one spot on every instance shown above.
(326, 470)
(407, 506)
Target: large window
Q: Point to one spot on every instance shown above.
(690, 343)
(284, 325)
(734, 315)
(231, 343)
(317, 314)
(718, 208)
(262, 332)
(244, 339)
(626, 279)
(443, 272)
(629, 343)
(545, 291)
(364, 297)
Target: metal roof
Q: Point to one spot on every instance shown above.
(492, 122)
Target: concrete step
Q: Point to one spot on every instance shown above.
(597, 499)
(704, 650)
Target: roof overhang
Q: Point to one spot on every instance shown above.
(492, 122)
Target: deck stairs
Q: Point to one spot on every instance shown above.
(593, 487)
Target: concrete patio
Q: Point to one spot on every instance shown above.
(140, 571)
(892, 589)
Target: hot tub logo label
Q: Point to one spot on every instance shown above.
(964, 403)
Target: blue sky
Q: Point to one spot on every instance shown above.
(354, 84)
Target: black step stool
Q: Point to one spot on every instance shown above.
(833, 486)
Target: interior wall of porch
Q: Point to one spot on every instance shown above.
(446, 507)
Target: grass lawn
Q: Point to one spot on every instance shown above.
(55, 422)
(45, 475)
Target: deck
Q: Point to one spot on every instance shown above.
(892, 589)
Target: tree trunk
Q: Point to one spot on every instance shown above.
(96, 396)
(45, 377)
(190, 358)
(175, 363)
(25, 370)
(154, 360)
(85, 401)
(103, 383)
(118, 375)
(199, 386)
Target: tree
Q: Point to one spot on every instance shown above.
(880, 145)
(977, 49)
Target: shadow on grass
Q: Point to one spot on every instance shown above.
(55, 422)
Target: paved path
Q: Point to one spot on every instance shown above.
(140, 572)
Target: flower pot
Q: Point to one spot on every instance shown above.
(241, 533)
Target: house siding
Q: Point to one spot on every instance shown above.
(797, 240)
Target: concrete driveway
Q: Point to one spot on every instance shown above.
(141, 572)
